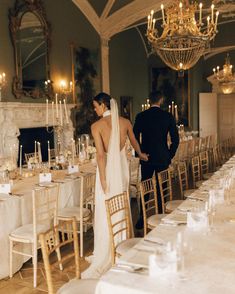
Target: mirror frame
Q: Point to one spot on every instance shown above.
(15, 18)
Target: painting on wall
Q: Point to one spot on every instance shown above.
(126, 107)
(175, 89)
(87, 85)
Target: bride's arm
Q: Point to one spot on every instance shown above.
(135, 143)
(100, 155)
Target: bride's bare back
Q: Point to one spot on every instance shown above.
(104, 128)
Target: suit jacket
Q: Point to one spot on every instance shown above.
(154, 124)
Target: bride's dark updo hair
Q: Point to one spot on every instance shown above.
(103, 98)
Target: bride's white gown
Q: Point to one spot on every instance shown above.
(117, 177)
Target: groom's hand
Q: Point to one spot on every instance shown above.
(143, 156)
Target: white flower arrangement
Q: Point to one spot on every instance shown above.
(91, 150)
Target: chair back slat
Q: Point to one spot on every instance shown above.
(165, 185)
(119, 221)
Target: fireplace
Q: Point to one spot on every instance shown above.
(30, 119)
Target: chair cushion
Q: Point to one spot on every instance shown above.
(74, 211)
(79, 286)
(199, 183)
(172, 205)
(207, 176)
(26, 231)
(126, 245)
(155, 220)
(189, 192)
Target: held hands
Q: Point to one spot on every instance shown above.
(143, 156)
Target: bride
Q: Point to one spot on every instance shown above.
(110, 134)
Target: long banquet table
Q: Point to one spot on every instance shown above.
(17, 210)
(209, 254)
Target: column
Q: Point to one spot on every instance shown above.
(105, 65)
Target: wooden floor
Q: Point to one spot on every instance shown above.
(22, 282)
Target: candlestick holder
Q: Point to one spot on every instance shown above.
(58, 130)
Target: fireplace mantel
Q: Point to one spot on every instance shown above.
(32, 115)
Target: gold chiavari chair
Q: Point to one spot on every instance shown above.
(120, 225)
(63, 238)
(44, 216)
(196, 172)
(84, 212)
(204, 165)
(165, 186)
(148, 192)
(134, 170)
(183, 180)
(31, 155)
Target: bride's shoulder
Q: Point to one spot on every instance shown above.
(124, 120)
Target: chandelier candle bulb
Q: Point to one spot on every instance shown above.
(148, 22)
(200, 14)
(208, 24)
(56, 106)
(163, 15)
(169, 108)
(212, 13)
(154, 20)
(181, 12)
(151, 18)
(70, 86)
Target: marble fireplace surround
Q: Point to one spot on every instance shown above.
(30, 115)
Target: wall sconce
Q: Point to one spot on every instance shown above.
(64, 88)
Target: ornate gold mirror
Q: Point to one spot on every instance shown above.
(30, 37)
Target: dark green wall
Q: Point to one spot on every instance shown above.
(128, 68)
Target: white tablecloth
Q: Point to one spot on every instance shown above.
(17, 211)
(209, 258)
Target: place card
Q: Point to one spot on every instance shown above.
(73, 169)
(44, 177)
(5, 188)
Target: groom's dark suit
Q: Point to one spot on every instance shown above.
(153, 126)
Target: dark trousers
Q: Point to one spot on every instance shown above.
(147, 171)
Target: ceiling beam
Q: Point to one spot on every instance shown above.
(89, 13)
(128, 15)
(214, 51)
(107, 9)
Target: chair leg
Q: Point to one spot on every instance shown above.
(35, 263)
(59, 258)
(81, 238)
(11, 259)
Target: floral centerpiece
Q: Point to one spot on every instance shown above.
(8, 165)
(91, 151)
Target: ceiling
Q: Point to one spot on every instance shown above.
(110, 17)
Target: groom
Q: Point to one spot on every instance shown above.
(151, 129)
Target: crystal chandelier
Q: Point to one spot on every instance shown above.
(226, 78)
(184, 39)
